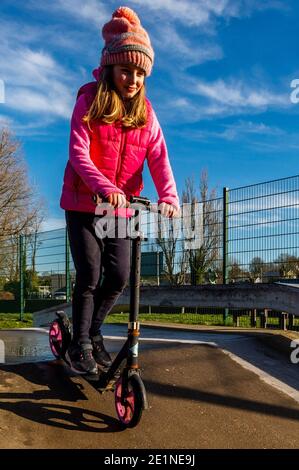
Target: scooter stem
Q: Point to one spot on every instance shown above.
(133, 327)
(135, 279)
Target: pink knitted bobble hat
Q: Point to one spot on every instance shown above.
(126, 41)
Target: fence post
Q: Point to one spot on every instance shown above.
(225, 245)
(291, 321)
(236, 320)
(283, 321)
(264, 318)
(253, 317)
(67, 268)
(21, 274)
(158, 267)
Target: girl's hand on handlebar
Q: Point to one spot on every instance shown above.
(167, 210)
(117, 200)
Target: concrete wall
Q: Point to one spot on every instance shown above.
(248, 296)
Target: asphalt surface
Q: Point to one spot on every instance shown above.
(231, 391)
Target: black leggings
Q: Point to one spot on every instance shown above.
(95, 292)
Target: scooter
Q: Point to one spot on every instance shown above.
(123, 376)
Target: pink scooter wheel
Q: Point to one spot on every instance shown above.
(130, 409)
(55, 339)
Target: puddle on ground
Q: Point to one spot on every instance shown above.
(25, 346)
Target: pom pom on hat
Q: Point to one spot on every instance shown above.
(125, 12)
(126, 41)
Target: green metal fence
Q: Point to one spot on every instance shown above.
(263, 242)
(250, 234)
(36, 271)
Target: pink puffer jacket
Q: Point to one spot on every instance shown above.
(110, 158)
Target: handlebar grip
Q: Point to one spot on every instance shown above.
(140, 200)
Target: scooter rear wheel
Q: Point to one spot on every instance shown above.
(56, 339)
(130, 409)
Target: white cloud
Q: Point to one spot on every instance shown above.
(236, 93)
(180, 52)
(287, 143)
(187, 11)
(202, 12)
(52, 223)
(15, 32)
(238, 131)
(91, 10)
(278, 199)
(200, 18)
(56, 35)
(216, 99)
(35, 81)
(197, 99)
(25, 128)
(241, 128)
(25, 100)
(257, 136)
(28, 67)
(94, 12)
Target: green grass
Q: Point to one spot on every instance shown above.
(11, 320)
(180, 318)
(193, 319)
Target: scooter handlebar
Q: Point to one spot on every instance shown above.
(144, 201)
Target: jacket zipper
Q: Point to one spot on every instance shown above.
(122, 146)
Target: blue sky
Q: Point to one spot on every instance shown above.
(220, 85)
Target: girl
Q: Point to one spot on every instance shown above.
(113, 131)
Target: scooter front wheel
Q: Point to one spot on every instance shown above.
(129, 409)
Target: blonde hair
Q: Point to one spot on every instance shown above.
(109, 107)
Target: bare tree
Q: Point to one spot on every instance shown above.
(256, 268)
(204, 258)
(21, 209)
(175, 260)
(33, 238)
(18, 207)
(236, 272)
(288, 265)
(200, 260)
